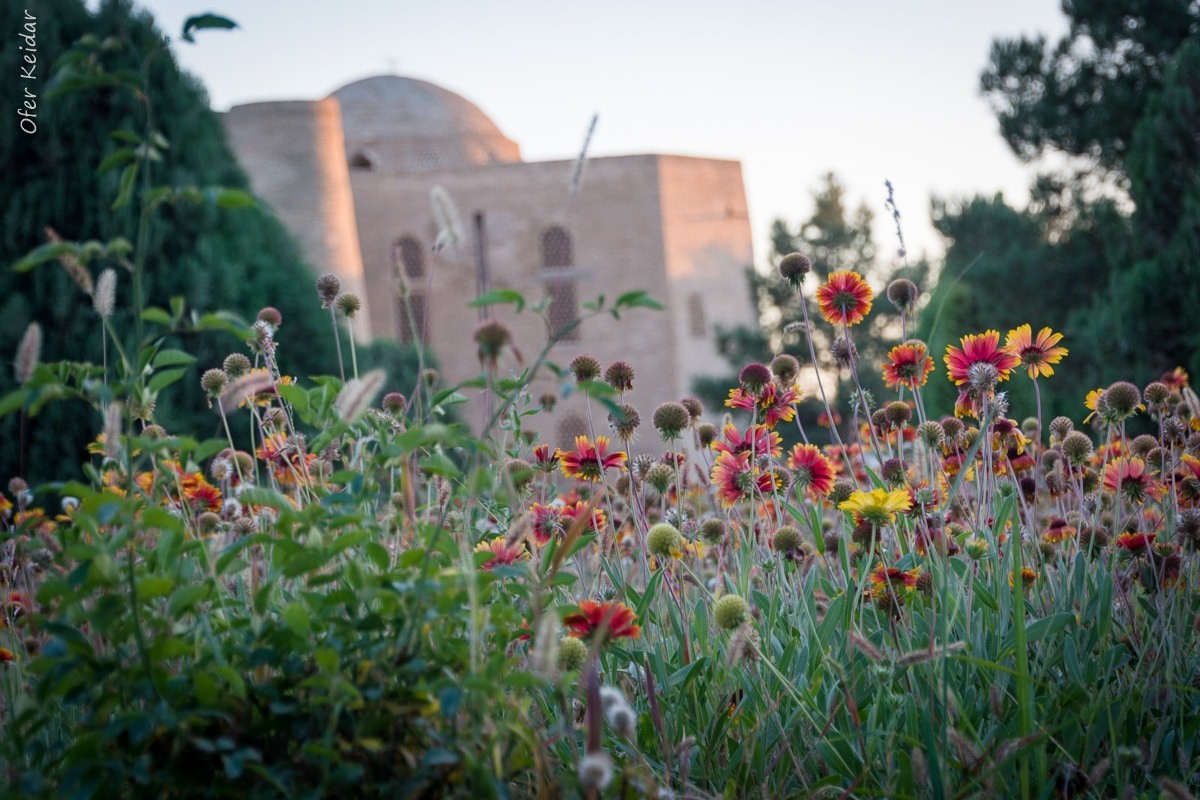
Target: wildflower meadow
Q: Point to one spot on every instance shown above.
(353, 591)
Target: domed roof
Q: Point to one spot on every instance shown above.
(386, 111)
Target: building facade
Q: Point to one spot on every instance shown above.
(352, 176)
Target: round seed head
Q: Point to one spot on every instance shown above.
(712, 530)
(348, 304)
(794, 267)
(841, 492)
(1174, 430)
(585, 368)
(754, 377)
(236, 365)
(662, 539)
(932, 434)
(1123, 399)
(843, 351)
(952, 427)
(982, 377)
(707, 433)
(1060, 427)
(394, 403)
(670, 419)
(619, 375)
(213, 382)
(520, 471)
(660, 477)
(786, 369)
(731, 612)
(903, 293)
(271, 316)
(492, 337)
(892, 472)
(571, 653)
(787, 539)
(548, 401)
(694, 408)
(898, 413)
(1143, 444)
(625, 421)
(328, 287)
(1156, 394)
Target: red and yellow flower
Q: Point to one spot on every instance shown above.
(845, 298)
(596, 519)
(771, 405)
(288, 464)
(1130, 477)
(1036, 354)
(587, 462)
(878, 506)
(758, 439)
(502, 553)
(979, 348)
(737, 478)
(907, 365)
(814, 472)
(604, 621)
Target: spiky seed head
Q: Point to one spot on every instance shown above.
(1060, 427)
(898, 413)
(1051, 459)
(213, 382)
(843, 351)
(491, 336)
(670, 420)
(787, 539)
(519, 471)
(236, 365)
(794, 267)
(1077, 446)
(952, 427)
(903, 293)
(694, 408)
(270, 315)
(624, 421)
(1029, 426)
(394, 403)
(932, 434)
(731, 612)
(584, 367)
(754, 377)
(619, 375)
(982, 377)
(1174, 430)
(571, 653)
(662, 539)
(660, 476)
(1142, 445)
(1156, 394)
(786, 369)
(1090, 480)
(348, 304)
(1123, 399)
(707, 433)
(841, 492)
(712, 530)
(892, 472)
(328, 286)
(879, 419)
(1188, 528)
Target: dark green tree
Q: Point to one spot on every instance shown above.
(214, 258)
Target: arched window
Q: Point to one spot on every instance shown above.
(569, 426)
(697, 324)
(556, 248)
(408, 261)
(558, 254)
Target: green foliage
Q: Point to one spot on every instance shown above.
(201, 244)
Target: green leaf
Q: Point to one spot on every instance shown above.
(185, 597)
(229, 198)
(638, 299)
(205, 22)
(439, 464)
(162, 380)
(115, 159)
(295, 617)
(41, 254)
(153, 586)
(498, 296)
(126, 190)
(170, 358)
(157, 315)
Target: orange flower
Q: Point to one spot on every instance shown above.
(814, 472)
(886, 581)
(287, 463)
(1135, 541)
(845, 298)
(596, 519)
(502, 552)
(603, 620)
(908, 365)
(1037, 354)
(587, 462)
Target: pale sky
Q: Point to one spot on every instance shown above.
(870, 90)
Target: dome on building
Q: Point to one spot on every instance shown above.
(396, 124)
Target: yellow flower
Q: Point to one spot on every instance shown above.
(878, 506)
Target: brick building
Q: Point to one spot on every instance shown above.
(351, 175)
